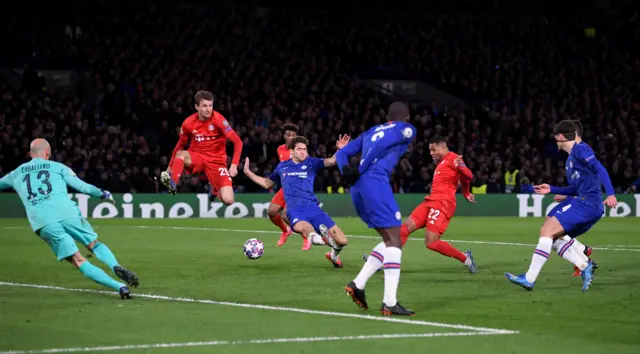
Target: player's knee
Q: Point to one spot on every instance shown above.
(182, 154)
(92, 245)
(76, 259)
(228, 200)
(410, 225)
(273, 210)
(430, 239)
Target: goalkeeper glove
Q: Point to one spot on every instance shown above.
(107, 196)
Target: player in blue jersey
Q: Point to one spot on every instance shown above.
(586, 175)
(42, 187)
(381, 147)
(297, 177)
(563, 200)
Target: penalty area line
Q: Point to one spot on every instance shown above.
(273, 308)
(245, 342)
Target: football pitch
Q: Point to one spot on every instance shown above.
(200, 294)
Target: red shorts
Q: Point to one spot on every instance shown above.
(279, 198)
(435, 215)
(216, 172)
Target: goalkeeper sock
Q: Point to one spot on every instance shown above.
(176, 170)
(374, 262)
(104, 255)
(99, 276)
(540, 256)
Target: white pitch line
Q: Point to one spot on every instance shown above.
(269, 307)
(599, 247)
(254, 341)
(620, 248)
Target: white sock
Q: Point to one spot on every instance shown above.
(577, 245)
(392, 261)
(567, 250)
(335, 252)
(374, 262)
(316, 239)
(540, 256)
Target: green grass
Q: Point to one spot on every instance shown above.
(208, 264)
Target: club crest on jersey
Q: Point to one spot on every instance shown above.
(304, 167)
(211, 127)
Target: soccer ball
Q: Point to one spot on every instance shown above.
(253, 248)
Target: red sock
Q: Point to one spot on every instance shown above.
(404, 234)
(176, 170)
(446, 249)
(277, 220)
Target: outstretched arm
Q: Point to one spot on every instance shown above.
(81, 186)
(342, 142)
(6, 182)
(342, 155)
(265, 183)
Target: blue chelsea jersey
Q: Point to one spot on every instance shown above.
(298, 179)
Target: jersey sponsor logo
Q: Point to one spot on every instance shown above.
(302, 174)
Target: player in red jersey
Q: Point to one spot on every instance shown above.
(277, 203)
(438, 208)
(207, 132)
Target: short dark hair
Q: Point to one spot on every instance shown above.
(203, 95)
(566, 128)
(438, 140)
(579, 127)
(290, 127)
(398, 111)
(298, 140)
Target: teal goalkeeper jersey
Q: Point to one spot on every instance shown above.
(42, 187)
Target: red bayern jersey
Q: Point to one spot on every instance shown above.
(446, 178)
(284, 153)
(209, 138)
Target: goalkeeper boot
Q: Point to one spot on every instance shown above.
(125, 294)
(127, 276)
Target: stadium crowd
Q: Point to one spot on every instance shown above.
(141, 68)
